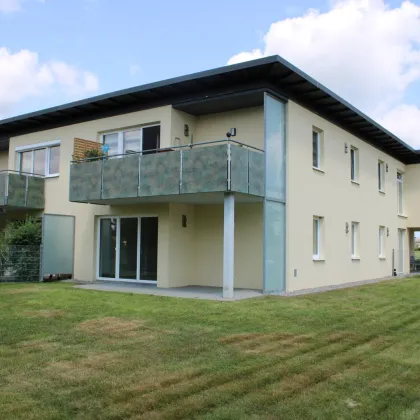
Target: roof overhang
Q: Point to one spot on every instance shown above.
(222, 89)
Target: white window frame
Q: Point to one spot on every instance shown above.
(382, 242)
(381, 176)
(354, 171)
(318, 149)
(400, 198)
(120, 134)
(38, 146)
(318, 254)
(117, 250)
(355, 241)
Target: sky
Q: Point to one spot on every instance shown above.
(57, 51)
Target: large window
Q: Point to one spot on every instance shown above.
(146, 139)
(317, 238)
(40, 159)
(316, 148)
(355, 240)
(400, 193)
(381, 176)
(354, 164)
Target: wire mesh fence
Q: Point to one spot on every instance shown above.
(20, 263)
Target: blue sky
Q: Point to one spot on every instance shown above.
(123, 43)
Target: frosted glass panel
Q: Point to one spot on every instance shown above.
(58, 244)
(275, 148)
(275, 243)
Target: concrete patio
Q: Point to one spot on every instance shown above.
(190, 292)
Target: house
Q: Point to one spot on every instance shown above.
(247, 176)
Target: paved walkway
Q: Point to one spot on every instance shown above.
(192, 292)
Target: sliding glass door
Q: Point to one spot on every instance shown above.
(127, 248)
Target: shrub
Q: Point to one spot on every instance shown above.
(93, 154)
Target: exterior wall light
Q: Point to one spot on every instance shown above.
(186, 130)
(347, 227)
(386, 167)
(387, 231)
(346, 148)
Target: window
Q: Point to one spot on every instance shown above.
(146, 139)
(40, 159)
(354, 164)
(316, 148)
(381, 176)
(355, 240)
(381, 241)
(317, 237)
(400, 193)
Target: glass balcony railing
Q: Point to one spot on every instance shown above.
(21, 190)
(218, 166)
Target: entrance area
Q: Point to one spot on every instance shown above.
(127, 249)
(414, 244)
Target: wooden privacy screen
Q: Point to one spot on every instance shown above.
(80, 146)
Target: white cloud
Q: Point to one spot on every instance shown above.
(366, 51)
(9, 6)
(134, 69)
(23, 75)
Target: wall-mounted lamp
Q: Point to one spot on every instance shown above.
(347, 227)
(186, 130)
(346, 148)
(386, 167)
(387, 231)
(184, 221)
(231, 133)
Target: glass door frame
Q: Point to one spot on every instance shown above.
(117, 250)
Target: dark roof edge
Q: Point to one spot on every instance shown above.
(148, 86)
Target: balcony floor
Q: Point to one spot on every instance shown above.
(191, 292)
(198, 198)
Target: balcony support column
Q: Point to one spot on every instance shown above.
(228, 245)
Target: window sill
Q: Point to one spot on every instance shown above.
(355, 258)
(355, 182)
(318, 259)
(52, 176)
(318, 170)
(403, 216)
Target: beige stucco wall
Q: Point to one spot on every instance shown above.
(4, 160)
(332, 195)
(412, 195)
(248, 245)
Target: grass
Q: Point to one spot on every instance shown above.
(68, 353)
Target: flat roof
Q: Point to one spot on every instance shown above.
(224, 88)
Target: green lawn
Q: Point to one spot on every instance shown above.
(67, 353)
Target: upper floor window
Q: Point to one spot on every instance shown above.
(354, 164)
(317, 148)
(381, 176)
(146, 139)
(40, 159)
(400, 193)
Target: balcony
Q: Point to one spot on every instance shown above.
(213, 167)
(21, 190)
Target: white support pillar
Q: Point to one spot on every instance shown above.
(228, 245)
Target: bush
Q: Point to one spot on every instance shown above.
(20, 244)
(93, 154)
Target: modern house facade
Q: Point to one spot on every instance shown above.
(248, 176)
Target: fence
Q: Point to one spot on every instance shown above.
(20, 263)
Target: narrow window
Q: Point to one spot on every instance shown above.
(317, 237)
(354, 164)
(355, 240)
(316, 149)
(381, 241)
(381, 176)
(400, 193)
